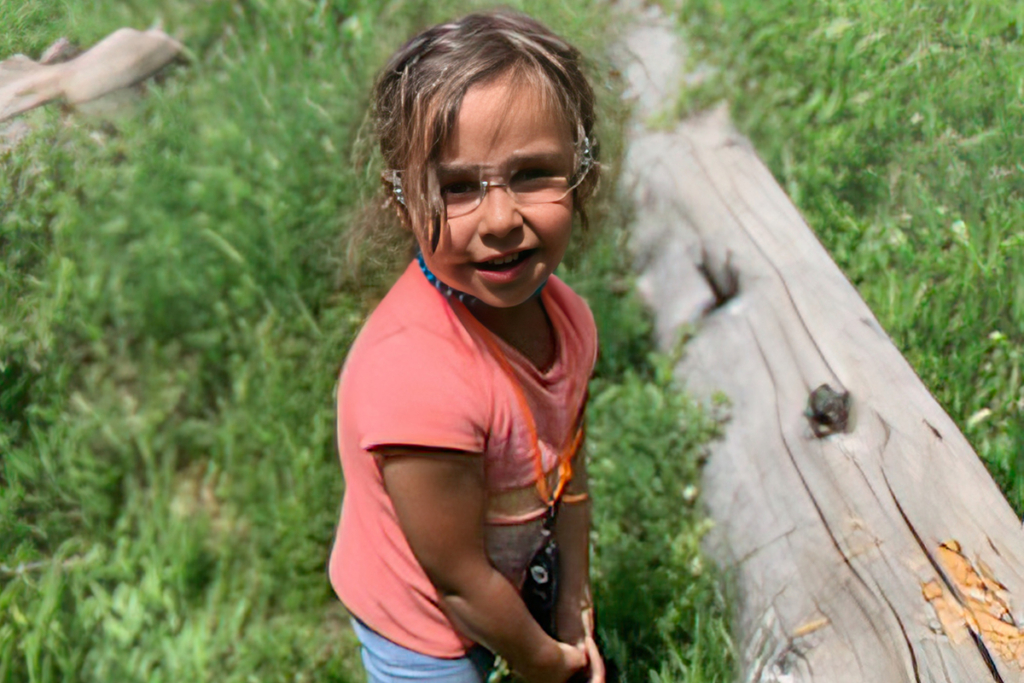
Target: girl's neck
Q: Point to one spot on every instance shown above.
(525, 327)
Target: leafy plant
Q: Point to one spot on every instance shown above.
(661, 605)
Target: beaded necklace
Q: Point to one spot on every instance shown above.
(450, 291)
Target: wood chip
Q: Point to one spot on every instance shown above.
(980, 604)
(810, 627)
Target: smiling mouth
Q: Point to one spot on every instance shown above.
(505, 262)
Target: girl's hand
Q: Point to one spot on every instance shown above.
(581, 630)
(566, 664)
(573, 662)
(596, 663)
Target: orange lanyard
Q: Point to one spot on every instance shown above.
(572, 444)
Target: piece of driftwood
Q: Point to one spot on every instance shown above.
(866, 540)
(122, 59)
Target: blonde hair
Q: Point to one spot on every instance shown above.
(419, 92)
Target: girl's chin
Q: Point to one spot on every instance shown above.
(502, 298)
(502, 304)
(506, 294)
(507, 275)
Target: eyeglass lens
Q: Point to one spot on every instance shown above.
(461, 198)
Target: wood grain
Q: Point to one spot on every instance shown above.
(833, 541)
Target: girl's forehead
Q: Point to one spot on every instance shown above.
(504, 118)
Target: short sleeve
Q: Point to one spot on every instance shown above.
(415, 389)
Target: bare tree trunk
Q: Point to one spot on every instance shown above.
(867, 540)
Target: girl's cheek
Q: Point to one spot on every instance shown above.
(460, 235)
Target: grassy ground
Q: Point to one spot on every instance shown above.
(174, 309)
(175, 306)
(898, 129)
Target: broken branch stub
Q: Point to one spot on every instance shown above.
(868, 542)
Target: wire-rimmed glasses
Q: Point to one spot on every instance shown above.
(526, 186)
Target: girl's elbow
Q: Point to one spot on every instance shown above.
(458, 579)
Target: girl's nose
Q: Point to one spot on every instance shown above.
(500, 214)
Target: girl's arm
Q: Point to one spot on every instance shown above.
(575, 611)
(440, 501)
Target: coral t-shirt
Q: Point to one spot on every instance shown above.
(419, 375)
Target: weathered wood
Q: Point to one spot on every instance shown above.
(123, 58)
(834, 532)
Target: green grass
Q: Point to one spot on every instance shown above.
(650, 579)
(175, 305)
(898, 130)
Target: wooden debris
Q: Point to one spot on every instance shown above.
(823, 504)
(977, 603)
(122, 59)
(829, 501)
(810, 627)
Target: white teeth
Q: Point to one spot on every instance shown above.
(502, 261)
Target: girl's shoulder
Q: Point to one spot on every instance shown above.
(412, 327)
(574, 307)
(414, 376)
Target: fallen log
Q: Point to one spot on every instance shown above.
(866, 539)
(122, 59)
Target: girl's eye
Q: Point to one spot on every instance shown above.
(537, 183)
(460, 189)
(528, 174)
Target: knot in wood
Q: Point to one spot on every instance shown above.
(828, 411)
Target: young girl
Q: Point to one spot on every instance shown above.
(460, 409)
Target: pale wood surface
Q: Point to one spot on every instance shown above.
(123, 58)
(833, 541)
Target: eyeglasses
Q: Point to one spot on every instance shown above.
(526, 186)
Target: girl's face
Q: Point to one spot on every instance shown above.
(502, 251)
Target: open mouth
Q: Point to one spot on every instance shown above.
(506, 262)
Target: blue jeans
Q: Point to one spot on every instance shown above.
(388, 662)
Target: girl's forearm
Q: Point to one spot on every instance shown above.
(574, 616)
(489, 611)
(574, 602)
(440, 502)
